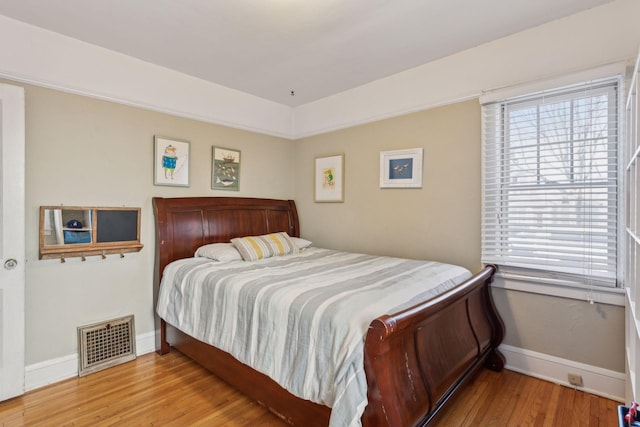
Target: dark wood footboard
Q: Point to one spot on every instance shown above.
(415, 360)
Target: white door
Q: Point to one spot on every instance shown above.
(12, 241)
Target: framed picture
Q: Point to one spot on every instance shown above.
(401, 168)
(225, 169)
(170, 162)
(329, 178)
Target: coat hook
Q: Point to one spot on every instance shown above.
(121, 254)
(104, 255)
(62, 260)
(82, 257)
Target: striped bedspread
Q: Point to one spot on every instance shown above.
(300, 319)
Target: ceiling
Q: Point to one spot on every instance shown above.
(289, 51)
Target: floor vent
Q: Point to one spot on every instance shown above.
(105, 344)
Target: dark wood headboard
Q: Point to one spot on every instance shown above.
(186, 223)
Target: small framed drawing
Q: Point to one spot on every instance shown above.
(170, 162)
(329, 178)
(225, 169)
(401, 168)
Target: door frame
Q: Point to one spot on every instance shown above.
(12, 242)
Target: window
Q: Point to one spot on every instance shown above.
(550, 175)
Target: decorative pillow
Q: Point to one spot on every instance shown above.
(257, 247)
(223, 252)
(300, 243)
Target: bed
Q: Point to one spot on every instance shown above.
(414, 359)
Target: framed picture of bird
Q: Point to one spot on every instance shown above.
(170, 162)
(225, 169)
(401, 168)
(329, 178)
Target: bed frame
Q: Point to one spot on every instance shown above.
(415, 360)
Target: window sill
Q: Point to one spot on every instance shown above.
(546, 286)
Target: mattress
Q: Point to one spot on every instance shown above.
(302, 318)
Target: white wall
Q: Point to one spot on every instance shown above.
(441, 221)
(82, 151)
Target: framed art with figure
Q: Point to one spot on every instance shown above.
(171, 162)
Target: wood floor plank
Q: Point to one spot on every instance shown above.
(173, 391)
(554, 399)
(543, 398)
(472, 405)
(499, 409)
(526, 406)
(565, 406)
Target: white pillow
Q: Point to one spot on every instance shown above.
(223, 252)
(301, 243)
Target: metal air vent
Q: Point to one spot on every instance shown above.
(105, 344)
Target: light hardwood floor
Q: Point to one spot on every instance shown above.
(173, 391)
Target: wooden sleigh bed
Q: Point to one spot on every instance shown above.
(415, 360)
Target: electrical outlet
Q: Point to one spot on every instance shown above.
(575, 380)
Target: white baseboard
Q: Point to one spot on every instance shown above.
(595, 380)
(598, 381)
(145, 343)
(62, 368)
(50, 371)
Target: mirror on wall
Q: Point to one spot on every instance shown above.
(66, 226)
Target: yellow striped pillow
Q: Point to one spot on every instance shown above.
(257, 247)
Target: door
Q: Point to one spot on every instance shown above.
(12, 241)
(631, 232)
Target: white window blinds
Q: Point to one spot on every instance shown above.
(550, 178)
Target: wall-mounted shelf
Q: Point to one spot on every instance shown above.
(72, 231)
